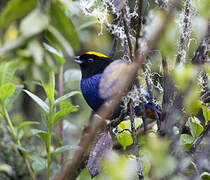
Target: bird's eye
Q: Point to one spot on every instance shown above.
(90, 60)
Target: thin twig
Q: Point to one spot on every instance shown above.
(139, 23)
(168, 96)
(206, 97)
(141, 130)
(185, 33)
(135, 143)
(42, 4)
(142, 108)
(162, 4)
(138, 33)
(151, 99)
(61, 93)
(174, 112)
(128, 130)
(114, 123)
(201, 53)
(114, 48)
(126, 29)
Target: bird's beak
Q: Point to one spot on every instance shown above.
(77, 60)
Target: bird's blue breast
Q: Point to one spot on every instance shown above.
(90, 91)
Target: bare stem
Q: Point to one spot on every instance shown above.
(139, 23)
(114, 47)
(151, 100)
(126, 29)
(61, 93)
(185, 34)
(133, 134)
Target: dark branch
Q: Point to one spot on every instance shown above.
(151, 100)
(139, 23)
(168, 94)
(162, 4)
(206, 97)
(141, 104)
(140, 130)
(114, 48)
(126, 29)
(135, 143)
(185, 34)
(201, 53)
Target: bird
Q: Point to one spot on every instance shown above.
(93, 65)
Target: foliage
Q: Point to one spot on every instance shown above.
(42, 114)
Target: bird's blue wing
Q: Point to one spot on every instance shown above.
(90, 91)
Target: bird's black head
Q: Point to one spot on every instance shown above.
(92, 63)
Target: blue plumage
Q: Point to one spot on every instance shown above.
(90, 91)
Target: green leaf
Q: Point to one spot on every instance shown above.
(49, 87)
(10, 100)
(65, 97)
(195, 127)
(186, 139)
(6, 168)
(44, 118)
(52, 50)
(183, 75)
(65, 108)
(42, 134)
(62, 149)
(64, 25)
(206, 113)
(202, 8)
(12, 45)
(145, 161)
(57, 55)
(38, 163)
(37, 51)
(116, 166)
(15, 9)
(171, 35)
(192, 103)
(55, 36)
(125, 139)
(36, 20)
(41, 103)
(6, 90)
(24, 124)
(22, 149)
(58, 139)
(205, 176)
(85, 25)
(7, 71)
(59, 59)
(125, 125)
